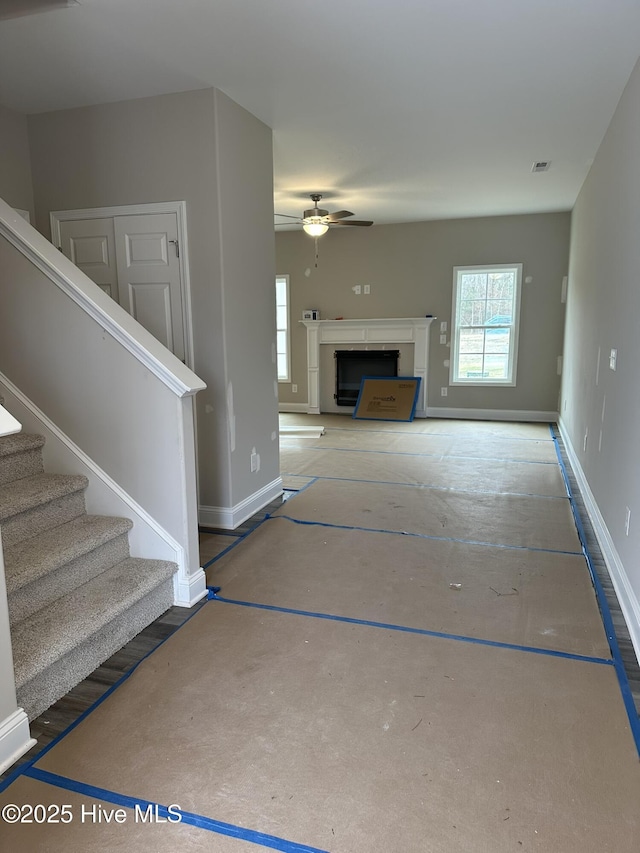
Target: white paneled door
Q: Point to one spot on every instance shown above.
(135, 259)
(149, 275)
(90, 244)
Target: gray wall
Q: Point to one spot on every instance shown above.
(410, 270)
(176, 147)
(15, 169)
(602, 313)
(245, 160)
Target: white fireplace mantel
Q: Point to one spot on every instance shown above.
(391, 330)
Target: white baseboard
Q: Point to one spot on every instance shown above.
(492, 414)
(15, 738)
(188, 591)
(228, 518)
(627, 598)
(293, 407)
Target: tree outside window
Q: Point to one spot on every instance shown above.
(485, 321)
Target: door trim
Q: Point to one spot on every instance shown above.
(180, 210)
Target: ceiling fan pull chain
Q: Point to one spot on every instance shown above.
(316, 242)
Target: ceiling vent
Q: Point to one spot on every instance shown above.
(541, 166)
(21, 8)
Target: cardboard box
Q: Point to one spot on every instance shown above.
(387, 398)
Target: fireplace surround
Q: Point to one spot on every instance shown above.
(368, 334)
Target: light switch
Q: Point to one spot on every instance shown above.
(443, 326)
(443, 339)
(613, 358)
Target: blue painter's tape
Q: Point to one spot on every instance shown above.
(623, 681)
(421, 631)
(443, 488)
(439, 456)
(23, 768)
(212, 592)
(189, 818)
(367, 428)
(311, 482)
(239, 539)
(427, 536)
(222, 553)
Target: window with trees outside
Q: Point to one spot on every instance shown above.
(283, 346)
(484, 325)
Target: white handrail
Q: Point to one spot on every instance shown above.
(114, 398)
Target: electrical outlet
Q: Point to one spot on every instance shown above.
(443, 326)
(294, 389)
(366, 289)
(627, 519)
(255, 461)
(584, 442)
(357, 289)
(613, 359)
(444, 391)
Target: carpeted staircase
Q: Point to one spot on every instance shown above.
(75, 595)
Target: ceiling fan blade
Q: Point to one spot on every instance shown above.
(286, 216)
(354, 222)
(339, 214)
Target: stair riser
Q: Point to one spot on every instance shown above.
(20, 465)
(44, 517)
(67, 579)
(38, 694)
(44, 591)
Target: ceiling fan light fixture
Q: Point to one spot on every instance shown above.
(315, 227)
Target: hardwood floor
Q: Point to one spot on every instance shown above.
(69, 710)
(627, 652)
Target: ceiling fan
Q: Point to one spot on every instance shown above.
(316, 221)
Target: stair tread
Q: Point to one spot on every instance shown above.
(19, 443)
(55, 630)
(37, 490)
(33, 558)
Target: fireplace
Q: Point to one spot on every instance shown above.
(402, 332)
(352, 365)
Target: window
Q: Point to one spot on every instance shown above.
(282, 328)
(485, 319)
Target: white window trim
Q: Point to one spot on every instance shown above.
(287, 380)
(515, 328)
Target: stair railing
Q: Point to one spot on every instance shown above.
(107, 391)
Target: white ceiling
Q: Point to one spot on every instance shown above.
(399, 110)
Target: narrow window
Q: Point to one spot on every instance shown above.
(485, 321)
(282, 328)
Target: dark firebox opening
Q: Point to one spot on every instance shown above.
(352, 365)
